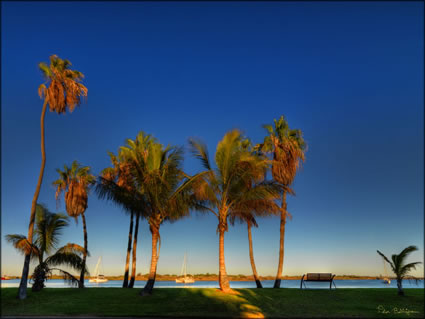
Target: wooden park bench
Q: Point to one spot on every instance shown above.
(322, 277)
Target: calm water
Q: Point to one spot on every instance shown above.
(58, 283)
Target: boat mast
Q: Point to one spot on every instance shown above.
(182, 271)
(185, 264)
(385, 269)
(96, 270)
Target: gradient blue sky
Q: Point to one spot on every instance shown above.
(349, 74)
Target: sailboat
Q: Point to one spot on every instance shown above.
(98, 278)
(184, 278)
(386, 280)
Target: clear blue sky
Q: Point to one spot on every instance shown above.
(349, 74)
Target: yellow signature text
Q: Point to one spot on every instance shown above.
(395, 310)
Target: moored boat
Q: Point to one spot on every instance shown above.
(98, 278)
(184, 277)
(386, 280)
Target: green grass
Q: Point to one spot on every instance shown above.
(209, 302)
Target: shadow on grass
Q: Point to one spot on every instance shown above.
(210, 302)
(241, 303)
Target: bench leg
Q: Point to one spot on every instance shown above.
(302, 280)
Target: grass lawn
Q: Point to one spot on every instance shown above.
(210, 302)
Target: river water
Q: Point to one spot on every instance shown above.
(58, 283)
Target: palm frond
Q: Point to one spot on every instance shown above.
(406, 251)
(386, 259)
(22, 245)
(48, 228)
(72, 248)
(268, 128)
(67, 277)
(130, 201)
(200, 151)
(406, 268)
(68, 259)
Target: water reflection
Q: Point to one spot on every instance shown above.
(58, 283)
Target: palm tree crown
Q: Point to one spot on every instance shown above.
(288, 148)
(233, 187)
(64, 88)
(398, 265)
(48, 228)
(75, 182)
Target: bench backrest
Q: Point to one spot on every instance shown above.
(319, 276)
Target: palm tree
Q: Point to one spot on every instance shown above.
(223, 190)
(288, 148)
(63, 91)
(75, 181)
(161, 189)
(117, 184)
(258, 208)
(109, 180)
(48, 227)
(398, 266)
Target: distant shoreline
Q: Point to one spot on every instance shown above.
(231, 277)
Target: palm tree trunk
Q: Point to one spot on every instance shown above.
(282, 241)
(133, 265)
(251, 258)
(39, 277)
(223, 280)
(22, 292)
(127, 260)
(400, 287)
(81, 282)
(147, 290)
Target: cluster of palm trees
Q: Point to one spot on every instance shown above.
(147, 180)
(48, 228)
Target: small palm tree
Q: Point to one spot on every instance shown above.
(61, 91)
(48, 227)
(398, 267)
(75, 181)
(223, 190)
(288, 148)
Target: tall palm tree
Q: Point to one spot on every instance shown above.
(117, 184)
(161, 188)
(398, 266)
(255, 208)
(48, 228)
(114, 181)
(223, 190)
(62, 90)
(75, 182)
(288, 148)
(111, 179)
